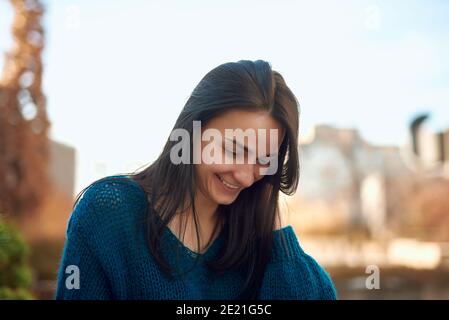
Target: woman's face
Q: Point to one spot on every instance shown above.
(221, 182)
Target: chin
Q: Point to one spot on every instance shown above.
(224, 200)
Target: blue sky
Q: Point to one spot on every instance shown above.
(117, 73)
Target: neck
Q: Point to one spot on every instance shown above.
(207, 219)
(206, 210)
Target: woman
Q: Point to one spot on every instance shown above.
(207, 229)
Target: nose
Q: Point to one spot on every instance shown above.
(245, 174)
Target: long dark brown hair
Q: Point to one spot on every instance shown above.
(247, 223)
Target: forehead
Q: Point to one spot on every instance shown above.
(244, 119)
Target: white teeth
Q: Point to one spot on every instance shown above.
(228, 184)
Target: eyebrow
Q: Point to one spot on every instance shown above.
(246, 148)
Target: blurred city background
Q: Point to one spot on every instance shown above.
(92, 88)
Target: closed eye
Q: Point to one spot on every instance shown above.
(231, 152)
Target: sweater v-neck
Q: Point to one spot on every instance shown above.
(211, 250)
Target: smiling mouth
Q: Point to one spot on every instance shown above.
(227, 184)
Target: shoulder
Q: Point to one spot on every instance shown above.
(288, 252)
(285, 244)
(115, 192)
(107, 204)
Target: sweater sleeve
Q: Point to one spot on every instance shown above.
(81, 276)
(294, 275)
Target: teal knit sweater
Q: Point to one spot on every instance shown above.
(106, 256)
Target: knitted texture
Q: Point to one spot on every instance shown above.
(106, 242)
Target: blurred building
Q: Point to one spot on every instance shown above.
(430, 149)
(61, 167)
(347, 182)
(50, 221)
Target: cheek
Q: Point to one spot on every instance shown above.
(206, 173)
(217, 168)
(201, 173)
